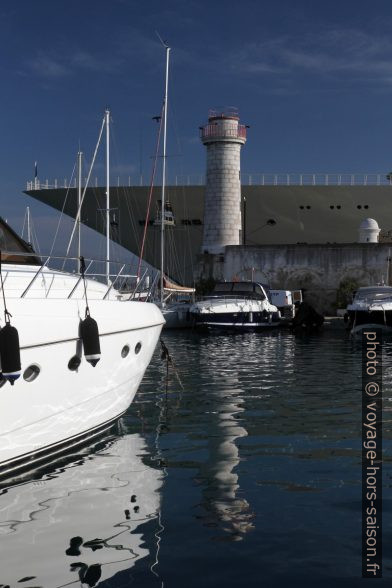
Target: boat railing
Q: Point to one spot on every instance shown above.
(122, 279)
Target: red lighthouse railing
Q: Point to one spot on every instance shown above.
(215, 131)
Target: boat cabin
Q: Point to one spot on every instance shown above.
(12, 247)
(169, 219)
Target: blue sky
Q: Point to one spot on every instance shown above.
(313, 79)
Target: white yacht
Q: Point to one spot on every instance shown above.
(64, 396)
(236, 305)
(371, 308)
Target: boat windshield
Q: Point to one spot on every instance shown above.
(239, 290)
(376, 293)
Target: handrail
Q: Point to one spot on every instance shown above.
(34, 278)
(153, 286)
(132, 296)
(247, 179)
(78, 282)
(57, 271)
(115, 280)
(213, 131)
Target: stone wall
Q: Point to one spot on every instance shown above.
(323, 271)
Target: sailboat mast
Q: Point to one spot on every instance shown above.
(28, 225)
(164, 170)
(107, 118)
(79, 201)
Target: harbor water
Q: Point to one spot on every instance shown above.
(242, 467)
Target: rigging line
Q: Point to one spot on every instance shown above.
(62, 211)
(188, 234)
(174, 259)
(115, 192)
(174, 126)
(34, 237)
(23, 228)
(77, 218)
(154, 167)
(128, 197)
(7, 314)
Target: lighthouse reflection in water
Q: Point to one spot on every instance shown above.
(242, 465)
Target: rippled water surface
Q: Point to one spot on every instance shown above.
(242, 469)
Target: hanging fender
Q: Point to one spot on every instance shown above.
(88, 332)
(10, 353)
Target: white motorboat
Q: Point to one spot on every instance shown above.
(60, 399)
(177, 304)
(85, 522)
(236, 305)
(371, 308)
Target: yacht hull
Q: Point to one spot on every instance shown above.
(240, 321)
(52, 406)
(304, 214)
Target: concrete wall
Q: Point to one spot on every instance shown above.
(319, 269)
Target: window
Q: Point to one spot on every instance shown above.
(31, 373)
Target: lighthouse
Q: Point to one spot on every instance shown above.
(223, 137)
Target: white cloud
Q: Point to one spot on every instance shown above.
(334, 53)
(48, 67)
(61, 64)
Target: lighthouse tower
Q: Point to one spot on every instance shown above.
(223, 136)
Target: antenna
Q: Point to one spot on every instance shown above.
(164, 43)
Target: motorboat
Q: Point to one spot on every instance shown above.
(64, 396)
(371, 308)
(176, 305)
(236, 305)
(85, 521)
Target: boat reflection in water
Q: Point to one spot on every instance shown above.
(223, 500)
(84, 522)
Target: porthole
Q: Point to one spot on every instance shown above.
(301, 207)
(74, 363)
(366, 206)
(138, 347)
(332, 207)
(359, 206)
(308, 207)
(338, 207)
(31, 373)
(125, 351)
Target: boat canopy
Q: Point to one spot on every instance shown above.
(170, 286)
(12, 247)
